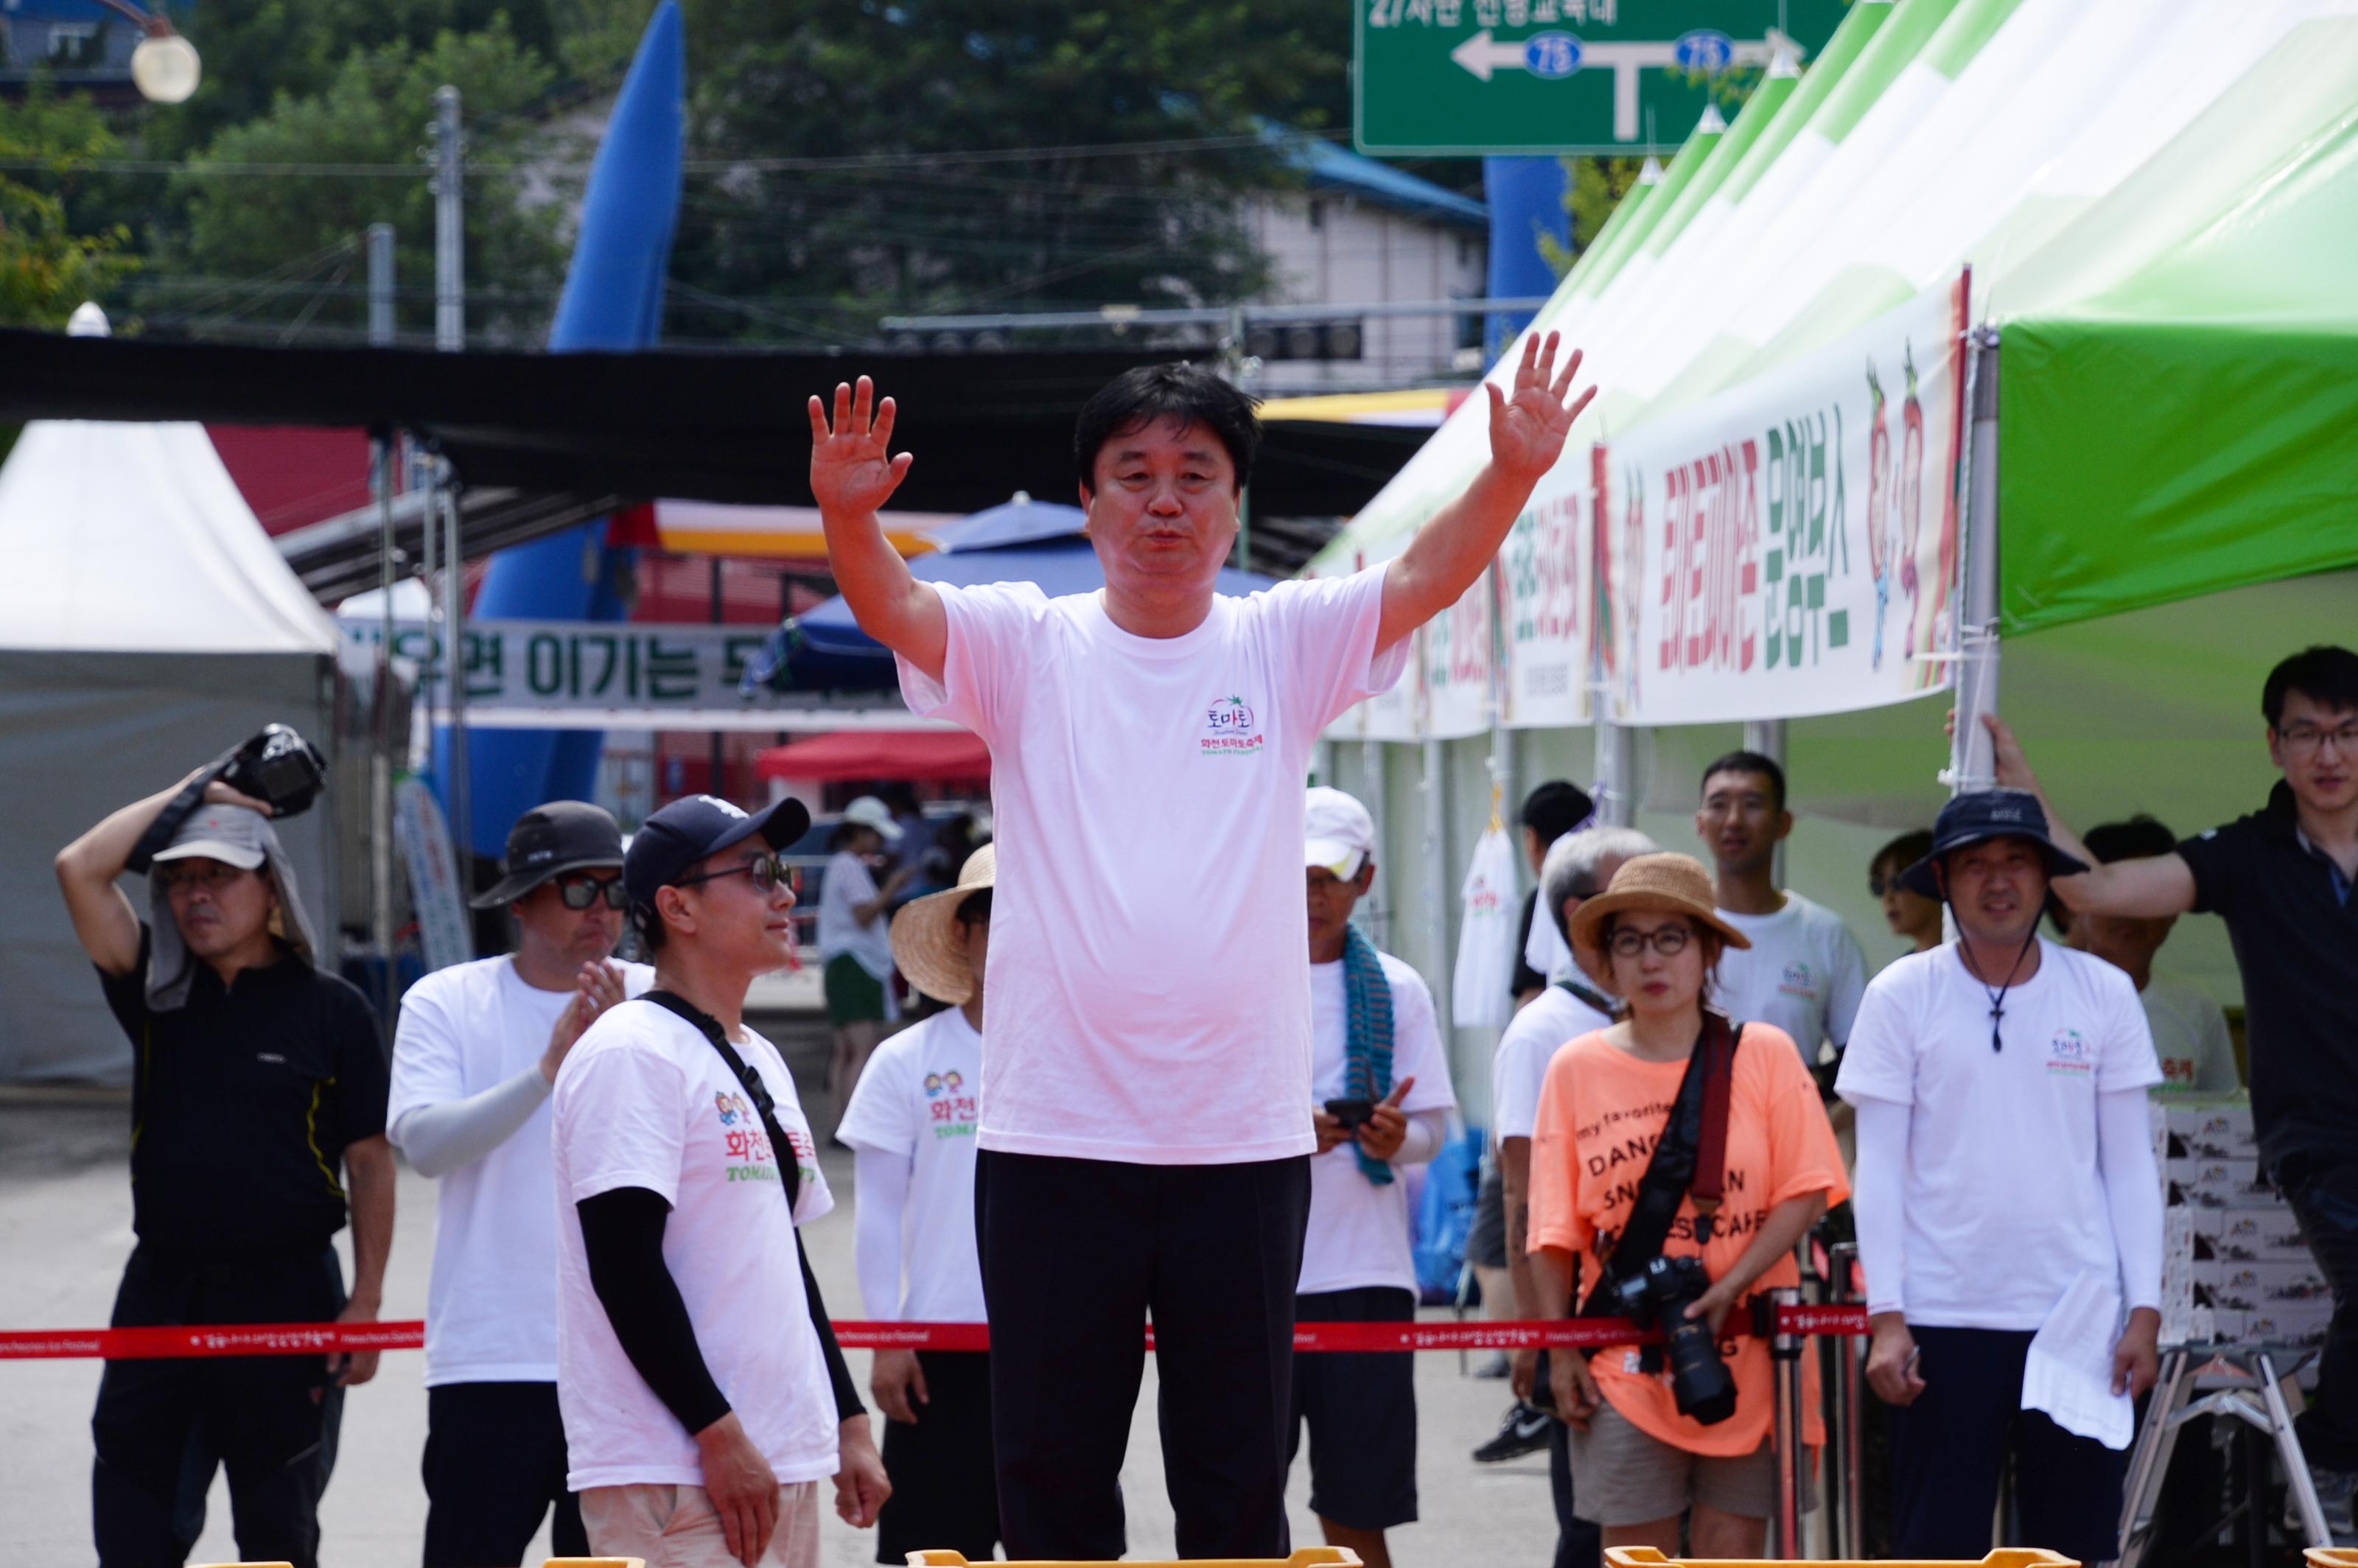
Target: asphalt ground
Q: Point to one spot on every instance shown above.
(65, 1230)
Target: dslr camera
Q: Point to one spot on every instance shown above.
(278, 766)
(1660, 1294)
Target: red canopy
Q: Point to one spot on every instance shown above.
(852, 754)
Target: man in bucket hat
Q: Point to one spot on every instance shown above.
(474, 1060)
(2005, 1179)
(703, 1393)
(258, 1099)
(912, 1121)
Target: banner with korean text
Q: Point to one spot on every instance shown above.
(1456, 658)
(1544, 587)
(1790, 546)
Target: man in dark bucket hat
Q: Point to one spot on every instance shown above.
(473, 1064)
(2006, 1180)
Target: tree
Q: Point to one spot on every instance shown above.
(868, 157)
(46, 267)
(297, 238)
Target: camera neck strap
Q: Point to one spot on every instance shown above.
(782, 1149)
(1690, 1160)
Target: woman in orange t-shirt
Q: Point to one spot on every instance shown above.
(1638, 1464)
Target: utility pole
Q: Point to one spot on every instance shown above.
(442, 501)
(380, 285)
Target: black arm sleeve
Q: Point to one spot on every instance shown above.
(621, 1240)
(847, 1392)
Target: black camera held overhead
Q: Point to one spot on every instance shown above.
(1641, 1284)
(278, 767)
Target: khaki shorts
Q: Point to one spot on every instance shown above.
(675, 1527)
(1621, 1475)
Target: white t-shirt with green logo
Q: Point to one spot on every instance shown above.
(1150, 974)
(643, 1100)
(1804, 973)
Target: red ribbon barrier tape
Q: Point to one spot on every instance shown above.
(331, 1338)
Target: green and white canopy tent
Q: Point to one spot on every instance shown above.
(2157, 206)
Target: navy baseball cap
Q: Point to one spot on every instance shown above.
(686, 830)
(1978, 817)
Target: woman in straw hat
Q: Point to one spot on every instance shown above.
(1637, 1462)
(911, 1124)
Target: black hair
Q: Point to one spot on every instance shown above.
(648, 922)
(1748, 762)
(2140, 836)
(974, 909)
(1177, 391)
(1905, 850)
(1556, 808)
(845, 831)
(2325, 675)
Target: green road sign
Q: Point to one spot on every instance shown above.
(1438, 77)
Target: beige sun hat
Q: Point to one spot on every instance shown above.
(1665, 884)
(925, 941)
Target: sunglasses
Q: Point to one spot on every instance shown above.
(580, 893)
(212, 879)
(767, 872)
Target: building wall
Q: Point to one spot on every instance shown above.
(1330, 248)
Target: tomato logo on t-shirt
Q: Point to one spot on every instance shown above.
(1231, 729)
(1796, 980)
(2069, 1054)
(953, 1115)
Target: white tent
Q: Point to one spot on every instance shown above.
(146, 625)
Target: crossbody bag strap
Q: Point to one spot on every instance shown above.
(1689, 1159)
(790, 1170)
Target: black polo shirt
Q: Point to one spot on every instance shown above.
(2295, 926)
(243, 1103)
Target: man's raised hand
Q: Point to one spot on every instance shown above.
(1528, 428)
(852, 471)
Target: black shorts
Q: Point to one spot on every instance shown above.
(945, 1483)
(1486, 1243)
(1362, 1413)
(495, 1467)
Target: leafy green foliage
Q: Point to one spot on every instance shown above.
(376, 111)
(46, 268)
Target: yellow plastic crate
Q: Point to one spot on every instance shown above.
(1303, 1557)
(2332, 1556)
(2005, 1557)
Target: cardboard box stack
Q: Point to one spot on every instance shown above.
(2234, 1269)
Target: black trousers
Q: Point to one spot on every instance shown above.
(1950, 1447)
(494, 1467)
(1075, 1254)
(945, 1483)
(2324, 1198)
(161, 1426)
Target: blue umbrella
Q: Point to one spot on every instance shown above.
(1022, 521)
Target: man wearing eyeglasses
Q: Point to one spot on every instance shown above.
(2281, 879)
(257, 1107)
(475, 1059)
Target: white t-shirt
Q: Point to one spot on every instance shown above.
(1547, 1023)
(2190, 1036)
(1359, 1232)
(2004, 1205)
(1545, 952)
(491, 1309)
(1150, 980)
(920, 1098)
(1804, 973)
(646, 1102)
(847, 882)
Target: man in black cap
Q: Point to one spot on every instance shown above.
(257, 1098)
(703, 1393)
(2282, 879)
(475, 1059)
(2006, 1182)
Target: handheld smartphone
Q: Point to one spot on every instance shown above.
(1352, 1113)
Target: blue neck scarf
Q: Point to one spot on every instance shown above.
(1368, 1037)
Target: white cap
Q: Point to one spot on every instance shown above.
(229, 834)
(1340, 834)
(870, 812)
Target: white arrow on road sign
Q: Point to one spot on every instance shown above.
(1483, 56)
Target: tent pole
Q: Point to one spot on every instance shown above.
(1372, 763)
(380, 285)
(1971, 765)
(1767, 735)
(1437, 901)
